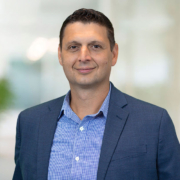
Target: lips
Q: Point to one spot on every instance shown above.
(85, 70)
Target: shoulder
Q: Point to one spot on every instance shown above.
(144, 111)
(136, 108)
(137, 103)
(40, 109)
(132, 104)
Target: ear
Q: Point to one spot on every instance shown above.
(60, 55)
(115, 54)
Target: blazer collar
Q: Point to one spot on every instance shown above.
(117, 97)
(47, 129)
(115, 123)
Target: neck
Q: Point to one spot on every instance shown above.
(88, 101)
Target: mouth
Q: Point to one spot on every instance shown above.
(85, 70)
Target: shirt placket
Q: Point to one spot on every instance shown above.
(78, 150)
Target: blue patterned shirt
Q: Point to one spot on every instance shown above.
(77, 144)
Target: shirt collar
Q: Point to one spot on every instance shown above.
(66, 109)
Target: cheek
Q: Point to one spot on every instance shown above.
(101, 59)
(106, 62)
(104, 66)
(106, 59)
(68, 63)
(69, 58)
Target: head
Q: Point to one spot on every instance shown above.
(89, 16)
(87, 48)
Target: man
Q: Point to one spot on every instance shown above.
(95, 131)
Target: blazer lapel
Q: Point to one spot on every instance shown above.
(47, 129)
(115, 123)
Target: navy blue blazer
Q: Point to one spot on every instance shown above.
(139, 141)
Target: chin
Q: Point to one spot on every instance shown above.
(86, 83)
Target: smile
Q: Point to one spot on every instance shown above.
(85, 70)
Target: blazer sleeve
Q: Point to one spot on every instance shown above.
(17, 173)
(168, 160)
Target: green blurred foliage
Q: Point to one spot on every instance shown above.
(6, 94)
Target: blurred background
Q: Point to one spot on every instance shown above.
(148, 34)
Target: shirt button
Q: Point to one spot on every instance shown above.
(77, 158)
(81, 128)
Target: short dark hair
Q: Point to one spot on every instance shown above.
(87, 16)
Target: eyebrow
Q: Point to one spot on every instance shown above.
(92, 42)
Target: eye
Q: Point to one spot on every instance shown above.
(96, 46)
(72, 47)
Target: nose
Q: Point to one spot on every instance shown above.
(84, 54)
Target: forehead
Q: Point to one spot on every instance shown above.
(85, 31)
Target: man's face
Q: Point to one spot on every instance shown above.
(86, 56)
